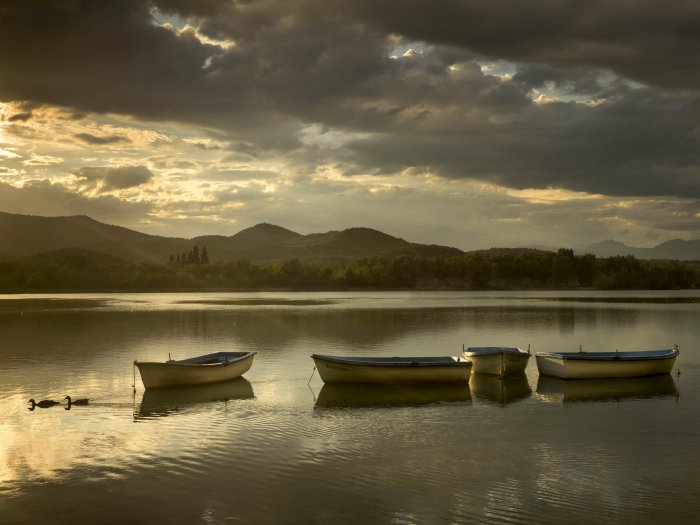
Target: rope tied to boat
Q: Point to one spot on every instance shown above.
(312, 375)
(678, 360)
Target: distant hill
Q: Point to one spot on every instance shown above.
(28, 234)
(23, 235)
(674, 249)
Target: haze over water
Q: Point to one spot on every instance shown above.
(275, 448)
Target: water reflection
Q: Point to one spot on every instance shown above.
(614, 389)
(425, 457)
(333, 395)
(501, 390)
(160, 402)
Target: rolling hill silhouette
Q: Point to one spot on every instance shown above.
(24, 235)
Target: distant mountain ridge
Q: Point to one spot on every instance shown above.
(673, 249)
(24, 235)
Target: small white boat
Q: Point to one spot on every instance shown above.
(595, 365)
(497, 360)
(209, 368)
(333, 369)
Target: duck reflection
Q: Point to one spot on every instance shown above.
(335, 395)
(503, 390)
(159, 402)
(609, 389)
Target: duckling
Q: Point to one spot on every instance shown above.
(44, 403)
(83, 401)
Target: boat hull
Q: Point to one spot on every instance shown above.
(498, 362)
(392, 369)
(186, 372)
(598, 365)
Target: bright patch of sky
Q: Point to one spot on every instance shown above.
(501, 69)
(322, 136)
(180, 27)
(400, 48)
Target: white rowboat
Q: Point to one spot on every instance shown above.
(496, 360)
(594, 365)
(210, 368)
(333, 369)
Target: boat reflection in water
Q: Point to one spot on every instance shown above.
(609, 389)
(503, 390)
(335, 395)
(161, 402)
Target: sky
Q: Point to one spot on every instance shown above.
(473, 124)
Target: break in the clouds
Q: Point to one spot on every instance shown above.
(473, 123)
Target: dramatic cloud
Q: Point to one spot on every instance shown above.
(288, 101)
(92, 139)
(109, 179)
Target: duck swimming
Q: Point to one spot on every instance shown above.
(44, 403)
(83, 401)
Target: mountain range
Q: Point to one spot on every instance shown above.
(24, 235)
(674, 249)
(27, 235)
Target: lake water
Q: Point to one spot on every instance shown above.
(275, 448)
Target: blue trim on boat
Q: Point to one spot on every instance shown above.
(488, 350)
(396, 361)
(217, 358)
(640, 355)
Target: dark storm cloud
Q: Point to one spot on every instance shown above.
(88, 138)
(328, 63)
(107, 179)
(645, 40)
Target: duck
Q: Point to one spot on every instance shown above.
(83, 401)
(44, 403)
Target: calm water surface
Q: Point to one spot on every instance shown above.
(275, 448)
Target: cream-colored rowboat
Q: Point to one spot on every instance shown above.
(496, 360)
(210, 368)
(334, 369)
(590, 365)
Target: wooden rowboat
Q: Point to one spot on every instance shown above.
(594, 365)
(333, 369)
(497, 360)
(209, 368)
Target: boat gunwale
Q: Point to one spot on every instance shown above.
(405, 362)
(183, 362)
(474, 351)
(639, 355)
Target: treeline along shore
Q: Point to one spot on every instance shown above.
(518, 270)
